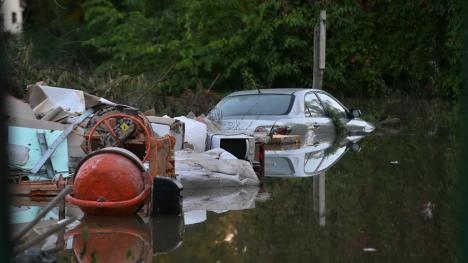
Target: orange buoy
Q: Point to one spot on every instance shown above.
(111, 181)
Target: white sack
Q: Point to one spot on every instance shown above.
(214, 168)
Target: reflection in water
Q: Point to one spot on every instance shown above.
(223, 198)
(319, 197)
(102, 239)
(125, 239)
(307, 161)
(374, 210)
(167, 233)
(140, 239)
(196, 202)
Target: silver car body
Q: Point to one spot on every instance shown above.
(297, 118)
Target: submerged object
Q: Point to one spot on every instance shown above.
(110, 181)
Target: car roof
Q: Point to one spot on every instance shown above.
(272, 91)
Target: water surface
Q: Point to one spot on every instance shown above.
(392, 201)
(388, 197)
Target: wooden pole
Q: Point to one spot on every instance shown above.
(320, 39)
(316, 70)
(319, 197)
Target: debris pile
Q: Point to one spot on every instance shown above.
(56, 131)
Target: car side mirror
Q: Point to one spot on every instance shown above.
(354, 113)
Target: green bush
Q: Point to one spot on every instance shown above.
(374, 48)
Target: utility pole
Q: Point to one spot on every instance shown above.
(319, 197)
(320, 39)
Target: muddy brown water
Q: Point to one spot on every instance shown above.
(391, 199)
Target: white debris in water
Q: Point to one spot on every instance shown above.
(427, 211)
(369, 249)
(394, 162)
(229, 237)
(214, 168)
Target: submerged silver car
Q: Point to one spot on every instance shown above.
(286, 111)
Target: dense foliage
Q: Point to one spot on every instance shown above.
(374, 48)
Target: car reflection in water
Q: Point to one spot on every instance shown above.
(310, 161)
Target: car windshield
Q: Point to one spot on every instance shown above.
(256, 104)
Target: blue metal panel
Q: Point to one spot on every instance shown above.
(28, 137)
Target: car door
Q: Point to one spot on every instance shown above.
(316, 119)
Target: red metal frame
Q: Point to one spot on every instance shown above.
(146, 131)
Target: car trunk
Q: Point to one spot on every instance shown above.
(246, 124)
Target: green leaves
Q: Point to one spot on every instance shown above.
(373, 47)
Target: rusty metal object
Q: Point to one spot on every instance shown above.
(44, 188)
(121, 130)
(161, 157)
(118, 126)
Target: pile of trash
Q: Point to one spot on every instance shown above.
(50, 134)
(109, 159)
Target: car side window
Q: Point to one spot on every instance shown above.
(312, 107)
(330, 103)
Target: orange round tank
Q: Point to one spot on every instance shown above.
(109, 182)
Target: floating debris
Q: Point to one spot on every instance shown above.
(427, 211)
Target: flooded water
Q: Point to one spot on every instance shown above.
(386, 197)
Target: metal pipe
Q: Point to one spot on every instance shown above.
(43, 212)
(61, 224)
(43, 145)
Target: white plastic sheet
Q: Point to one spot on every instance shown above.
(195, 133)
